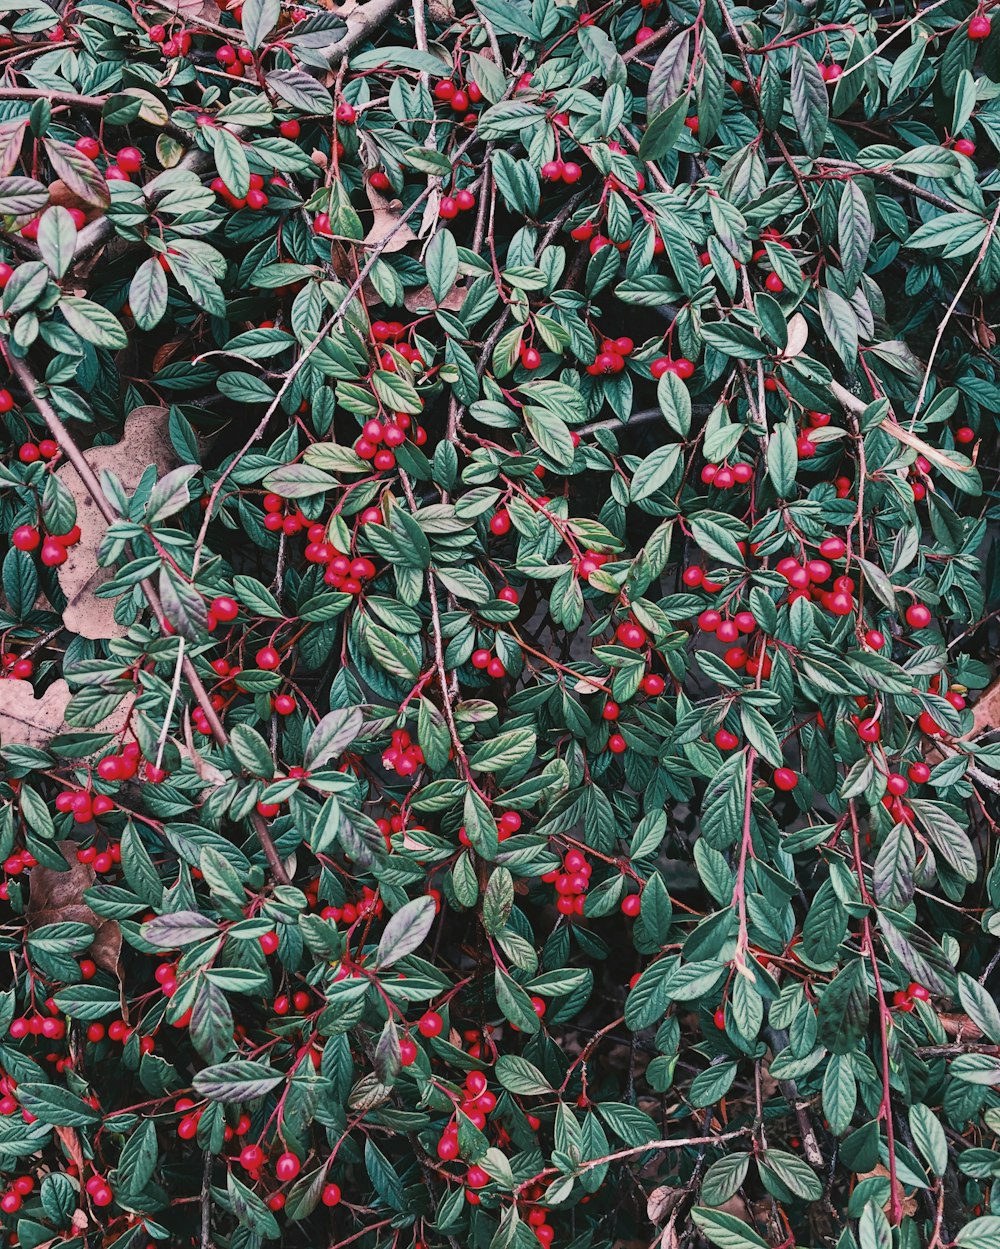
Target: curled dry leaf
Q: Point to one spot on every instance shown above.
(57, 898)
(145, 441)
(385, 222)
(29, 721)
(661, 1201)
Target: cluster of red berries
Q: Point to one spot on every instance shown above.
(30, 228)
(631, 635)
(725, 629)
(610, 357)
(571, 882)
(84, 806)
(492, 665)
(20, 1188)
(256, 196)
(404, 756)
(589, 562)
(9, 1104)
(50, 1026)
(476, 1104)
(460, 98)
(378, 439)
(507, 825)
(228, 57)
(54, 547)
(368, 904)
(99, 1190)
(410, 354)
(179, 44)
(567, 171)
(725, 476)
(16, 863)
(16, 669)
(683, 367)
(807, 580)
(462, 201)
(119, 1032)
(906, 999)
(102, 861)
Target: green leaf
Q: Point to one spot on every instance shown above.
(147, 294)
(843, 1009)
(93, 323)
(810, 101)
(237, 1081)
(441, 260)
(405, 931)
(726, 1230)
(57, 239)
(258, 18)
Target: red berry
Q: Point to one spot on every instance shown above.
(251, 1157)
(785, 779)
(26, 538)
(979, 27)
(53, 553)
(287, 1167)
(631, 905)
(289, 129)
(129, 159)
(430, 1024)
(330, 1195)
(918, 616)
(267, 657)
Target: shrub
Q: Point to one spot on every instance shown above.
(494, 582)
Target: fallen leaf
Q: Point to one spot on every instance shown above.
(422, 300)
(909, 1204)
(144, 441)
(57, 898)
(29, 721)
(386, 217)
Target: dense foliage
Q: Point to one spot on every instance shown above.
(496, 500)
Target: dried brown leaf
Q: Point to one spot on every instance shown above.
(144, 441)
(29, 721)
(422, 300)
(386, 217)
(57, 898)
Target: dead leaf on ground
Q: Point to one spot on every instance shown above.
(29, 721)
(423, 301)
(57, 898)
(386, 218)
(145, 441)
(881, 1172)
